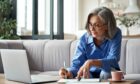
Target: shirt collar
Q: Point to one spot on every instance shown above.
(90, 39)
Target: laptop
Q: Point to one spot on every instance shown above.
(16, 68)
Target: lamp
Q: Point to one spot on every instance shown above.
(132, 7)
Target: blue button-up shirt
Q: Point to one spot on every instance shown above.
(108, 52)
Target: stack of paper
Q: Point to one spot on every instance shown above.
(82, 81)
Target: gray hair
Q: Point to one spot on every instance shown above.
(107, 17)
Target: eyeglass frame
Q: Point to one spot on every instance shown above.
(95, 27)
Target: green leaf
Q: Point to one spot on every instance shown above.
(7, 25)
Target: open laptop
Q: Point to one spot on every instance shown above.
(16, 68)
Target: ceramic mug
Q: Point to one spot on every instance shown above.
(117, 75)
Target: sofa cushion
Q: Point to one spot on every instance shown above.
(133, 56)
(55, 53)
(35, 52)
(72, 49)
(135, 77)
(122, 61)
(15, 44)
(51, 73)
(9, 44)
(3, 45)
(132, 76)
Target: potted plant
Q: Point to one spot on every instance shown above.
(128, 21)
(7, 24)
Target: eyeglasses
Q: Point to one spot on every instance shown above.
(96, 26)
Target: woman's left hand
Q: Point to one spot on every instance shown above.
(84, 70)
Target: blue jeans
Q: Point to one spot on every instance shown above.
(105, 75)
(100, 74)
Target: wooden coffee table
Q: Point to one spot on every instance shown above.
(124, 82)
(4, 81)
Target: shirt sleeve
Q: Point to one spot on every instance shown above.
(79, 56)
(113, 56)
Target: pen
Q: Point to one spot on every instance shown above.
(79, 78)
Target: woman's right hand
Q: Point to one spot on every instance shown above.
(63, 73)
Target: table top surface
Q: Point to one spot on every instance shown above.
(4, 81)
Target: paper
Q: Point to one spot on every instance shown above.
(82, 81)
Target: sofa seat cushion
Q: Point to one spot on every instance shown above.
(52, 73)
(132, 76)
(55, 53)
(35, 53)
(122, 61)
(135, 77)
(133, 56)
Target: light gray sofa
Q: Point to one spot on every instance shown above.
(47, 56)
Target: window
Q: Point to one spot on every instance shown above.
(70, 16)
(40, 19)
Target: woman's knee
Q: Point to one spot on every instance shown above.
(105, 75)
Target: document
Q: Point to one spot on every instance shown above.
(82, 81)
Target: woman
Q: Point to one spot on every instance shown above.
(98, 50)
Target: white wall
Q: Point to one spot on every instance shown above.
(78, 16)
(85, 6)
